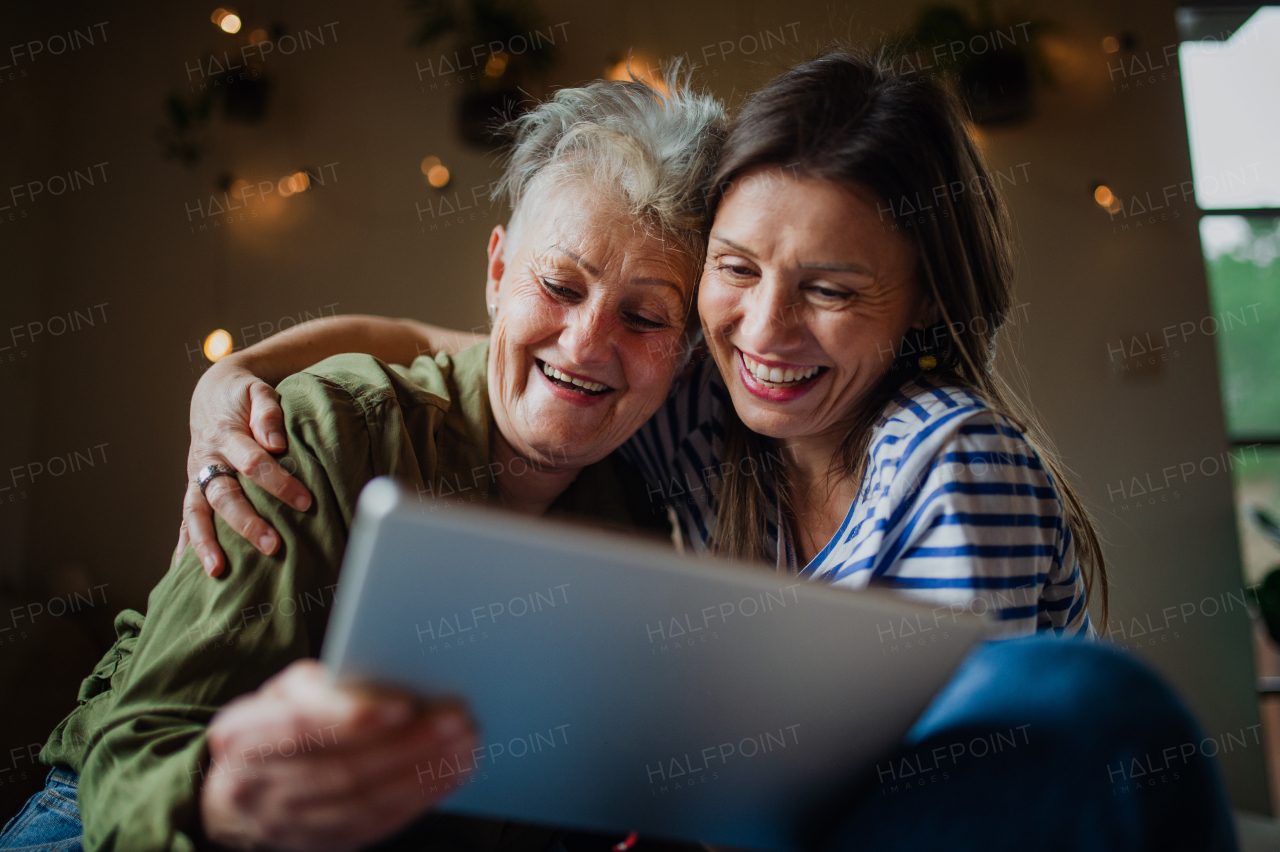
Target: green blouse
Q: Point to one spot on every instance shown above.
(137, 737)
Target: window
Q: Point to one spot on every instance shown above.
(1241, 257)
(1231, 88)
(1230, 64)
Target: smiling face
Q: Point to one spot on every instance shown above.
(805, 298)
(590, 318)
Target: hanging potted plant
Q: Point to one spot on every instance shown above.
(994, 60)
(500, 51)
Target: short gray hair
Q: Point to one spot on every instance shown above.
(652, 152)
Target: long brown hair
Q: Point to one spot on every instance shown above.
(856, 119)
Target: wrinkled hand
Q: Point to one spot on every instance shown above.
(235, 419)
(304, 764)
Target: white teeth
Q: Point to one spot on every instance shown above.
(776, 376)
(573, 380)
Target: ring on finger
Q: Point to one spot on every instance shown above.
(210, 472)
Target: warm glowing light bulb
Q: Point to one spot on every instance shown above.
(438, 176)
(300, 181)
(496, 64)
(218, 345)
(1110, 44)
(429, 163)
(1107, 200)
(639, 67)
(230, 24)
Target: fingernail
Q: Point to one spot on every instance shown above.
(276, 440)
(303, 503)
(267, 543)
(394, 712)
(209, 565)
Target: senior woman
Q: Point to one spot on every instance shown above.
(205, 722)
(850, 428)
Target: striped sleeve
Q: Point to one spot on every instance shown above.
(679, 451)
(978, 524)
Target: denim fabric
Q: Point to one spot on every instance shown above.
(1049, 744)
(50, 821)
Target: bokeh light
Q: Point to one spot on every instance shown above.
(496, 64)
(293, 184)
(218, 345)
(1106, 199)
(639, 66)
(226, 20)
(438, 176)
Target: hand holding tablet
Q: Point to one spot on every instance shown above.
(305, 764)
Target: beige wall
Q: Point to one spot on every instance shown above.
(357, 245)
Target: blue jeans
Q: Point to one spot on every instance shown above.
(50, 821)
(1044, 743)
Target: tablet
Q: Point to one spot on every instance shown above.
(618, 686)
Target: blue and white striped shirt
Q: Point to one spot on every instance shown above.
(955, 506)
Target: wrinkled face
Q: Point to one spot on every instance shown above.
(589, 329)
(805, 298)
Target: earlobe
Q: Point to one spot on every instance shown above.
(929, 315)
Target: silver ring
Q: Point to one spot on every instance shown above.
(210, 472)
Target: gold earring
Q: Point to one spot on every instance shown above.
(927, 362)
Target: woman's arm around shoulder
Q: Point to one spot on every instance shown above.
(236, 419)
